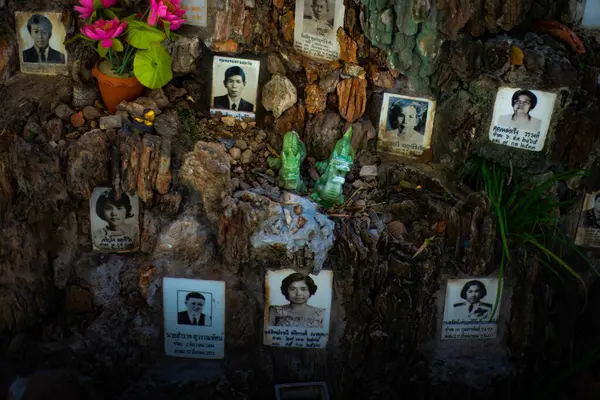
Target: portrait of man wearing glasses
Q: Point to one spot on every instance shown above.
(523, 103)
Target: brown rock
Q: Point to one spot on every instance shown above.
(312, 71)
(384, 79)
(279, 3)
(54, 129)
(348, 47)
(91, 113)
(291, 120)
(329, 82)
(169, 203)
(248, 23)
(78, 300)
(352, 98)
(173, 92)
(77, 120)
(453, 15)
(316, 99)
(222, 20)
(227, 46)
(351, 69)
(228, 120)
(278, 95)
(207, 170)
(322, 131)
(159, 97)
(235, 153)
(237, 17)
(287, 26)
(163, 173)
(87, 164)
(275, 64)
(149, 161)
(131, 149)
(7, 55)
(145, 277)
(246, 156)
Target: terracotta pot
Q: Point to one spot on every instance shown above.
(116, 89)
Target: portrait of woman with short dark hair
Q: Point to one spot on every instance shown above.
(297, 289)
(114, 220)
(473, 308)
(523, 103)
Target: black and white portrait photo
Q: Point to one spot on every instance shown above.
(114, 220)
(194, 313)
(588, 231)
(194, 308)
(316, 25)
(521, 118)
(302, 391)
(469, 308)
(41, 36)
(318, 18)
(405, 124)
(235, 86)
(297, 302)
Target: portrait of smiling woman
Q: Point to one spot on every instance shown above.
(523, 103)
(297, 289)
(114, 227)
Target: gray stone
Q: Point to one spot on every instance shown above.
(63, 111)
(329, 83)
(90, 113)
(167, 124)
(111, 122)
(368, 171)
(278, 95)
(322, 132)
(84, 96)
(54, 129)
(159, 97)
(186, 239)
(186, 51)
(32, 129)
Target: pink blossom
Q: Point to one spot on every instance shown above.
(166, 11)
(86, 7)
(105, 31)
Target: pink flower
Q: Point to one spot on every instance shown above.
(166, 11)
(105, 31)
(87, 7)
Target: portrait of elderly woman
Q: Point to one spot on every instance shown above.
(592, 216)
(119, 224)
(523, 103)
(297, 289)
(473, 308)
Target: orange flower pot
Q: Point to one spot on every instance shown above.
(115, 89)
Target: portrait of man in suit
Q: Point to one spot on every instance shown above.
(320, 20)
(194, 302)
(40, 30)
(235, 83)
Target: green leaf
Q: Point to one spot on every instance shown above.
(117, 45)
(152, 67)
(140, 35)
(101, 50)
(92, 17)
(98, 4)
(167, 27)
(110, 14)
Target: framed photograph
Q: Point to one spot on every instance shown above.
(591, 14)
(114, 221)
(235, 87)
(195, 12)
(469, 307)
(194, 313)
(588, 231)
(41, 35)
(521, 118)
(316, 25)
(297, 309)
(302, 391)
(405, 125)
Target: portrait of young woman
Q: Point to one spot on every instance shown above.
(297, 289)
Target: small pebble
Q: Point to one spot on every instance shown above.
(228, 121)
(246, 156)
(368, 171)
(90, 113)
(241, 143)
(235, 153)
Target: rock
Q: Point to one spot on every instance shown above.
(241, 143)
(358, 184)
(162, 180)
(368, 171)
(278, 95)
(227, 46)
(207, 170)
(32, 129)
(91, 113)
(111, 122)
(384, 79)
(78, 300)
(261, 136)
(148, 167)
(54, 130)
(169, 203)
(65, 94)
(186, 239)
(354, 70)
(235, 153)
(186, 50)
(246, 156)
(266, 225)
(63, 111)
(352, 98)
(8, 55)
(228, 120)
(84, 96)
(348, 47)
(148, 281)
(132, 108)
(291, 120)
(147, 103)
(159, 97)
(322, 131)
(316, 99)
(329, 83)
(77, 120)
(167, 124)
(275, 65)
(173, 92)
(279, 3)
(287, 26)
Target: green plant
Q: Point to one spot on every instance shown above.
(527, 217)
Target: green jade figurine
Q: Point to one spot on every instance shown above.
(293, 154)
(328, 188)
